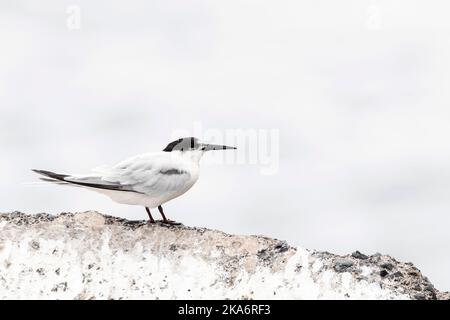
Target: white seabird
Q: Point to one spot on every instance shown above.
(149, 179)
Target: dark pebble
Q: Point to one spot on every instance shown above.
(419, 296)
(342, 265)
(376, 255)
(429, 288)
(387, 265)
(282, 247)
(383, 273)
(359, 255)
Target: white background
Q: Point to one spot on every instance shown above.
(359, 91)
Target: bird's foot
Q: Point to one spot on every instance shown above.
(171, 222)
(151, 221)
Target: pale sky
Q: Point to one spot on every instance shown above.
(358, 91)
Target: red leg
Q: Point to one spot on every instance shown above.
(165, 220)
(151, 220)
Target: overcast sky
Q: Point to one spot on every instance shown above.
(358, 92)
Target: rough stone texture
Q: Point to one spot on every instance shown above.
(92, 256)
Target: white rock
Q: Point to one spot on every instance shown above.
(88, 255)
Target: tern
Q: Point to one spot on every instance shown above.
(149, 179)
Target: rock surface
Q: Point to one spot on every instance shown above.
(91, 256)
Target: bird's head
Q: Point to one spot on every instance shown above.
(191, 144)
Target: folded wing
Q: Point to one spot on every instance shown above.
(150, 174)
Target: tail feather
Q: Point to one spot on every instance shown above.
(98, 184)
(53, 181)
(52, 175)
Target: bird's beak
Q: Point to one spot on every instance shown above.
(209, 147)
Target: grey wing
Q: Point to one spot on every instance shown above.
(160, 182)
(150, 174)
(153, 176)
